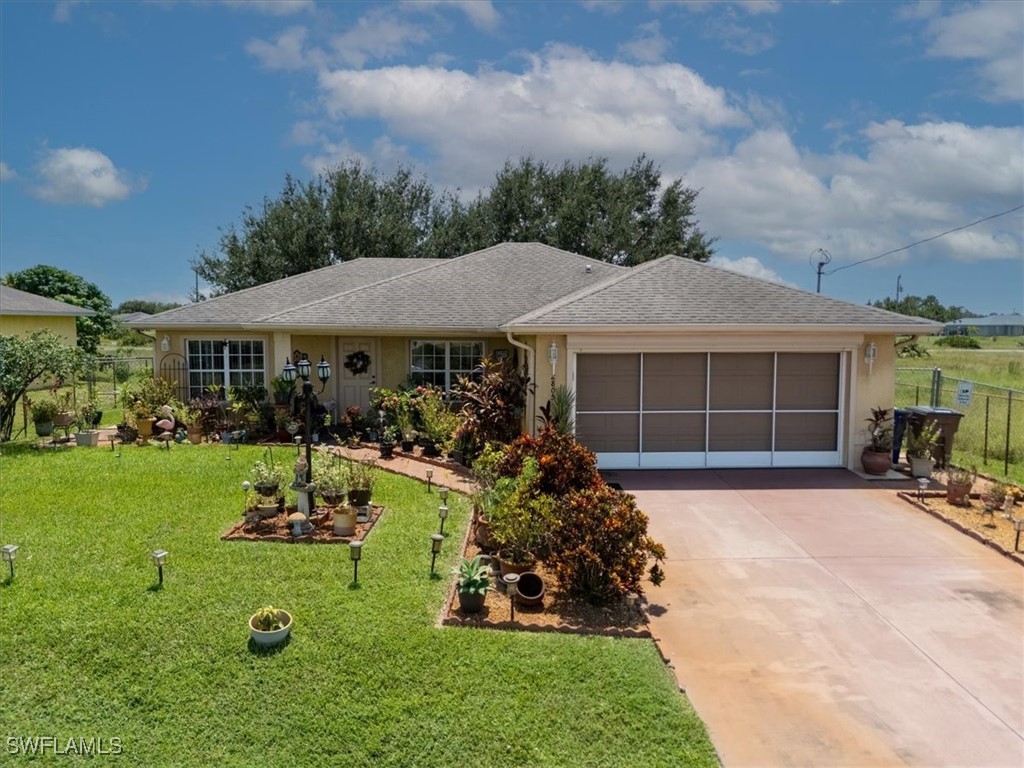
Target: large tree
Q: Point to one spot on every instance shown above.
(25, 360)
(144, 305)
(353, 211)
(59, 284)
(928, 307)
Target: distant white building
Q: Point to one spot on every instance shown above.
(993, 325)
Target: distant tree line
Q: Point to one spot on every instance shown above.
(928, 307)
(354, 211)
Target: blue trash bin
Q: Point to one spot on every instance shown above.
(899, 427)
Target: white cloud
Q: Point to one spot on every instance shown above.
(288, 52)
(481, 13)
(63, 9)
(739, 38)
(989, 33)
(271, 7)
(6, 172)
(563, 104)
(81, 176)
(648, 45)
(379, 35)
(748, 265)
(752, 7)
(609, 7)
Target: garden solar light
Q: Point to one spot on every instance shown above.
(159, 557)
(355, 551)
(436, 539)
(430, 477)
(442, 512)
(922, 486)
(10, 552)
(631, 598)
(246, 485)
(511, 585)
(444, 495)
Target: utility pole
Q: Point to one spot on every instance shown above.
(899, 287)
(824, 257)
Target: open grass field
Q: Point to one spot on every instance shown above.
(1000, 362)
(88, 648)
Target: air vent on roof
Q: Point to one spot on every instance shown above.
(589, 269)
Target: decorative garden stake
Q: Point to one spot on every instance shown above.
(355, 551)
(436, 539)
(10, 552)
(922, 486)
(442, 512)
(430, 477)
(159, 557)
(511, 585)
(246, 485)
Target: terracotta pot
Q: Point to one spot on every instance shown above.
(471, 603)
(262, 638)
(64, 419)
(483, 533)
(145, 428)
(876, 462)
(957, 493)
(530, 589)
(344, 521)
(507, 566)
(195, 436)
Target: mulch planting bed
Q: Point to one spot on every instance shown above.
(278, 529)
(994, 530)
(555, 614)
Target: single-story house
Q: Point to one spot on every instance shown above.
(23, 313)
(993, 325)
(673, 363)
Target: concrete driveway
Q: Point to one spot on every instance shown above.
(814, 619)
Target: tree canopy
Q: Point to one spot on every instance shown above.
(354, 211)
(928, 307)
(59, 284)
(25, 360)
(143, 305)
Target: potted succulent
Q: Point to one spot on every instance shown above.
(43, 413)
(919, 449)
(266, 478)
(361, 477)
(270, 626)
(958, 485)
(88, 418)
(877, 455)
(472, 584)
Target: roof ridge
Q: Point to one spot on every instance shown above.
(589, 290)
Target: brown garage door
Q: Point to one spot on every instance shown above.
(710, 408)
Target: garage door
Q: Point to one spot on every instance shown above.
(710, 409)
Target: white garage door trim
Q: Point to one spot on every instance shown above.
(723, 459)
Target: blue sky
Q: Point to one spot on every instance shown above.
(130, 132)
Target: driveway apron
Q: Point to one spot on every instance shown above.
(816, 620)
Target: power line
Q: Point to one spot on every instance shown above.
(926, 240)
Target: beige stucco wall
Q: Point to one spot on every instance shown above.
(872, 387)
(23, 325)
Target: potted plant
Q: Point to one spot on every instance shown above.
(520, 520)
(43, 413)
(65, 415)
(994, 497)
(361, 477)
(266, 478)
(387, 442)
(193, 417)
(958, 485)
(919, 449)
(88, 418)
(877, 455)
(282, 390)
(330, 479)
(472, 584)
(270, 626)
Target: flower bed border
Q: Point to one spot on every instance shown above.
(236, 533)
(912, 497)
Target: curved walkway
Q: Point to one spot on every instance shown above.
(814, 619)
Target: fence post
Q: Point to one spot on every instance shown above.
(1006, 455)
(984, 450)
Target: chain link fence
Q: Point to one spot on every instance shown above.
(991, 433)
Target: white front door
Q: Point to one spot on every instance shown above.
(358, 365)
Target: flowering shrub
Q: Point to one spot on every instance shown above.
(564, 465)
(599, 547)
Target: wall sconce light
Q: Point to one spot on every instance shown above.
(159, 557)
(165, 343)
(512, 586)
(442, 512)
(870, 353)
(553, 354)
(355, 551)
(436, 539)
(430, 477)
(10, 552)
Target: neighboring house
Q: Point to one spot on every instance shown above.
(132, 317)
(22, 313)
(993, 325)
(674, 363)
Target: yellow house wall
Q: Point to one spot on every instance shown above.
(24, 325)
(873, 387)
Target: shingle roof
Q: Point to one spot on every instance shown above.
(673, 291)
(17, 302)
(252, 304)
(477, 291)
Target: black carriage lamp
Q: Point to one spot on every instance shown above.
(302, 368)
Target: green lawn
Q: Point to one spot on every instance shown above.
(999, 362)
(88, 649)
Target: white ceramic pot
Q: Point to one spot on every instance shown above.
(274, 637)
(344, 521)
(921, 466)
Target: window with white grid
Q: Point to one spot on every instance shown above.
(232, 363)
(440, 363)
